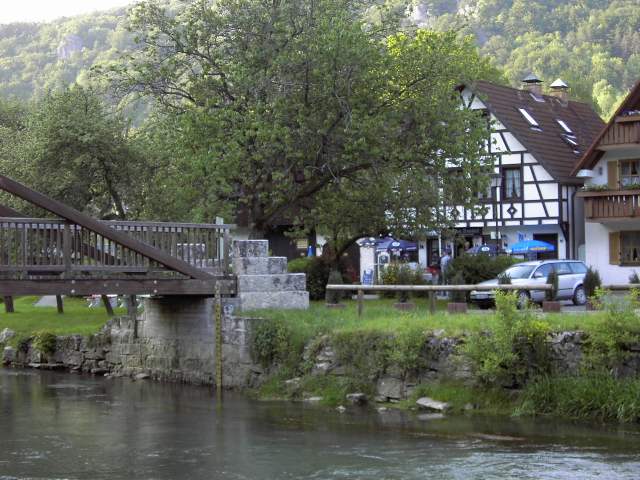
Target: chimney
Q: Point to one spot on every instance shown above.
(560, 90)
(533, 84)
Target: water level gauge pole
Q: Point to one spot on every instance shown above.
(218, 327)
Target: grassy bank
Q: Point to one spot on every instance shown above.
(77, 319)
(508, 352)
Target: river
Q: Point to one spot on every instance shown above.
(62, 426)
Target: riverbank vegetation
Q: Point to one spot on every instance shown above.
(513, 362)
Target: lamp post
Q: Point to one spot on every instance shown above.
(496, 183)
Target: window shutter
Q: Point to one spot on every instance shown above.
(614, 248)
(612, 174)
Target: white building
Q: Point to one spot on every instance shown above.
(535, 141)
(611, 167)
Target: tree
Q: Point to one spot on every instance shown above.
(271, 105)
(77, 151)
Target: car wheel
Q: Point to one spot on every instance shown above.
(579, 296)
(523, 299)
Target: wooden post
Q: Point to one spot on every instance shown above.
(432, 302)
(107, 305)
(360, 301)
(59, 304)
(8, 305)
(218, 340)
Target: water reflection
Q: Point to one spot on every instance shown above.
(55, 425)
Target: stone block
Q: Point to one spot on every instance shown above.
(272, 283)
(283, 300)
(259, 265)
(250, 248)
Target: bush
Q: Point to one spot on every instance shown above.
(458, 296)
(400, 274)
(591, 282)
(611, 340)
(317, 270)
(334, 296)
(516, 348)
(478, 268)
(44, 342)
(552, 279)
(273, 343)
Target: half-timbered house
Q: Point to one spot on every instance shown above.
(534, 142)
(610, 168)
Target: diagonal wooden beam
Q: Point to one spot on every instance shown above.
(9, 212)
(73, 215)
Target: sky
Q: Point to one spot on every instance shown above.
(46, 10)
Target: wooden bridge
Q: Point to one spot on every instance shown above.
(74, 254)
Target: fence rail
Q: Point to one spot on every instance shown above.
(49, 246)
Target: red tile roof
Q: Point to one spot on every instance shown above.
(547, 144)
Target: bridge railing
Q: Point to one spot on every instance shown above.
(55, 246)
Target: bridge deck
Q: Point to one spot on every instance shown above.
(78, 255)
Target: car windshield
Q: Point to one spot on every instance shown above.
(519, 271)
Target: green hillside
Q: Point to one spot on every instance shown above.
(592, 44)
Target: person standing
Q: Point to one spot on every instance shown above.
(444, 265)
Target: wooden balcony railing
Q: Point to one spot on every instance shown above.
(609, 204)
(622, 132)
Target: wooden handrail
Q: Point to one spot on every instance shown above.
(437, 288)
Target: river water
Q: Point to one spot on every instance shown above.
(62, 426)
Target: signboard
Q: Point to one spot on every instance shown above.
(367, 277)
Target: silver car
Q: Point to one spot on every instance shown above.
(570, 279)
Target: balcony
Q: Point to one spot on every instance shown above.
(625, 131)
(611, 204)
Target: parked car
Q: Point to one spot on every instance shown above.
(570, 279)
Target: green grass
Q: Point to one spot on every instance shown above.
(380, 315)
(77, 318)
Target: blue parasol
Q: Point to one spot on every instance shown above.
(531, 246)
(391, 243)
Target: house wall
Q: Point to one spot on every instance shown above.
(600, 170)
(597, 252)
(545, 206)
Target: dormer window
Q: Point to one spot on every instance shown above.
(532, 121)
(564, 126)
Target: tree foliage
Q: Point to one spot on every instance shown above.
(291, 110)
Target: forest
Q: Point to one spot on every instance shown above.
(594, 45)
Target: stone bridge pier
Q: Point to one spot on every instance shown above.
(176, 335)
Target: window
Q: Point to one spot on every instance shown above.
(629, 172)
(543, 271)
(578, 267)
(630, 248)
(511, 183)
(532, 121)
(564, 126)
(562, 268)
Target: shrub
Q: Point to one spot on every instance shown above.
(458, 296)
(634, 278)
(552, 294)
(611, 339)
(317, 270)
(515, 350)
(334, 296)
(273, 343)
(478, 268)
(591, 282)
(400, 274)
(44, 342)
